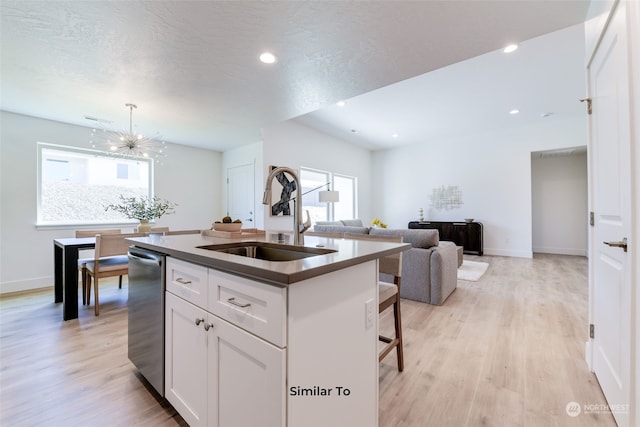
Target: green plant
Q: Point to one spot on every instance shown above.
(142, 208)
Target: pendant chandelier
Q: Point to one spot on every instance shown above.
(128, 144)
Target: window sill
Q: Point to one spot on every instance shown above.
(88, 226)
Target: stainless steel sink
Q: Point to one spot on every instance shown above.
(268, 251)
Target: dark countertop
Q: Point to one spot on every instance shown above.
(279, 273)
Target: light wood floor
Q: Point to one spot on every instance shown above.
(505, 351)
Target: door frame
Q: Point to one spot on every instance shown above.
(251, 165)
(598, 19)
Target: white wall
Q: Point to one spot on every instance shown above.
(559, 204)
(294, 145)
(190, 177)
(493, 170)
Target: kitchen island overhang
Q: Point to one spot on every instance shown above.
(281, 273)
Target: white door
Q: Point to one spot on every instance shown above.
(241, 194)
(611, 190)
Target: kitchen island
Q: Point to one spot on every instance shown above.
(251, 341)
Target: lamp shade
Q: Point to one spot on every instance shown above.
(329, 196)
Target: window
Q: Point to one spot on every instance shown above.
(123, 171)
(346, 208)
(313, 181)
(75, 185)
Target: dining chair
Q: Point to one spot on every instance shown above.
(110, 260)
(82, 262)
(388, 294)
(178, 232)
(158, 230)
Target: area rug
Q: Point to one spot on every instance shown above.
(472, 271)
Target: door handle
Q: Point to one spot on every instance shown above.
(622, 244)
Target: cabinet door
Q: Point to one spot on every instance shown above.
(186, 360)
(246, 379)
(474, 236)
(460, 234)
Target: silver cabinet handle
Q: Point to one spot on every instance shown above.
(207, 326)
(233, 301)
(622, 244)
(198, 321)
(183, 281)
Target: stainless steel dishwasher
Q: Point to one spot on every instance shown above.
(146, 314)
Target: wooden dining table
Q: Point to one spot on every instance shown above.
(65, 261)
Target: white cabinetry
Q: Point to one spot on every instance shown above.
(217, 374)
(244, 353)
(246, 379)
(186, 360)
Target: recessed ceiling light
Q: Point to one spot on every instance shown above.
(514, 111)
(395, 135)
(510, 48)
(341, 103)
(268, 58)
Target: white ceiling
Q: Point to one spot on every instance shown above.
(544, 79)
(192, 68)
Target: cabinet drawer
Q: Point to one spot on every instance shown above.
(188, 281)
(256, 307)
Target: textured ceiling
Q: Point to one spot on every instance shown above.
(192, 69)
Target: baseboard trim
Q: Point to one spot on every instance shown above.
(504, 252)
(560, 251)
(26, 285)
(588, 355)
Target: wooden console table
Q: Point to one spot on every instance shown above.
(465, 234)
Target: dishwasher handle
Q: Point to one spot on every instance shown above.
(145, 259)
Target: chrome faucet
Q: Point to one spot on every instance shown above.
(298, 227)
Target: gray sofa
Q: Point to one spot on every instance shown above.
(429, 268)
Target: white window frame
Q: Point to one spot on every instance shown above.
(40, 223)
(330, 207)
